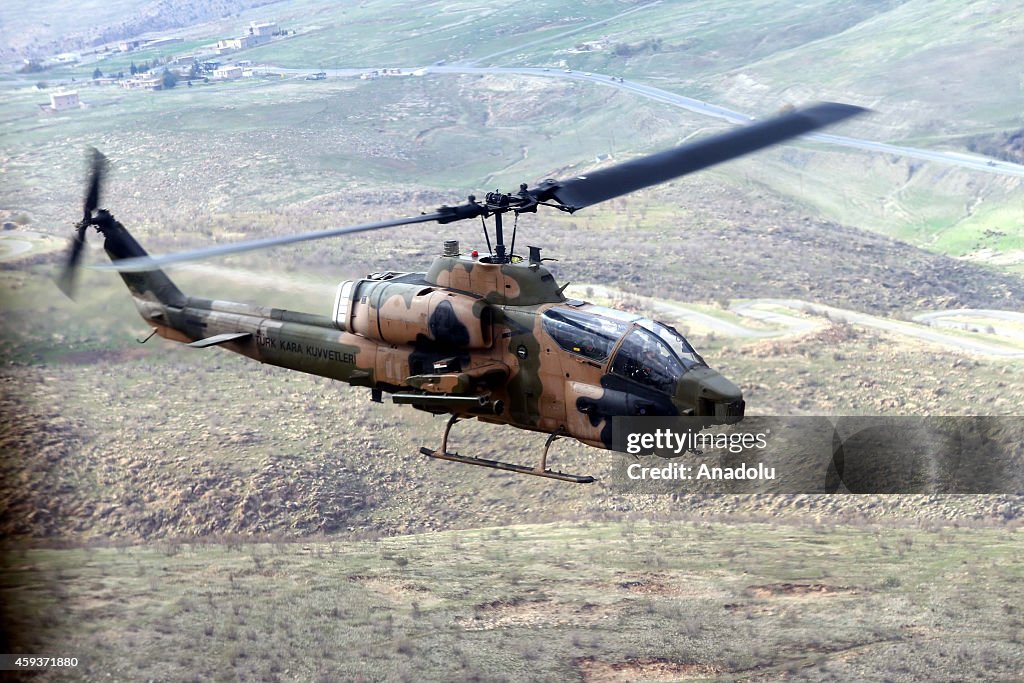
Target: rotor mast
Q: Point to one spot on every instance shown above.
(496, 204)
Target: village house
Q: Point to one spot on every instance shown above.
(64, 100)
(144, 82)
(257, 33)
(228, 72)
(61, 101)
(266, 29)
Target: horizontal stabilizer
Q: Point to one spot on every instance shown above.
(219, 339)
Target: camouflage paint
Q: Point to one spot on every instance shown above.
(464, 328)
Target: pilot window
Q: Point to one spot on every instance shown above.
(675, 341)
(590, 336)
(645, 359)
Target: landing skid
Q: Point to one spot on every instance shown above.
(539, 471)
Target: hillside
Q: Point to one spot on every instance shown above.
(902, 59)
(167, 511)
(35, 30)
(106, 439)
(597, 602)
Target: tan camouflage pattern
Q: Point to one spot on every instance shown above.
(464, 328)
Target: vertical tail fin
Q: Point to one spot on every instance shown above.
(150, 285)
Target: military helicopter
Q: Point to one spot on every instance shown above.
(490, 337)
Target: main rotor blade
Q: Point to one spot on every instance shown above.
(144, 263)
(608, 183)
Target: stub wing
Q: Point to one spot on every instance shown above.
(218, 339)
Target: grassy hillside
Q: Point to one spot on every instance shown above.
(204, 154)
(676, 600)
(106, 439)
(168, 511)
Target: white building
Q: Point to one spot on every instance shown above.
(144, 82)
(262, 28)
(228, 72)
(60, 101)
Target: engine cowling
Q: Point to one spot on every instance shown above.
(407, 313)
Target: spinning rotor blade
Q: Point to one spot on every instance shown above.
(572, 194)
(98, 167)
(134, 265)
(66, 281)
(92, 197)
(608, 183)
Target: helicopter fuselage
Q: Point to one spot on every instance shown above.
(494, 337)
(499, 342)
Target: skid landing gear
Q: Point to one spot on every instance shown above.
(539, 471)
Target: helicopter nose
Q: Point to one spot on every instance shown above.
(708, 393)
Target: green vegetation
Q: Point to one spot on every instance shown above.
(884, 54)
(275, 507)
(546, 602)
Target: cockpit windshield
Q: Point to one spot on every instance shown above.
(655, 355)
(675, 341)
(645, 359)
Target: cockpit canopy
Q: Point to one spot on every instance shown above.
(651, 353)
(587, 335)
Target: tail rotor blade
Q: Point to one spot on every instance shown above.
(66, 282)
(97, 167)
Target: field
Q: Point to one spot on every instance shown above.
(676, 599)
(180, 514)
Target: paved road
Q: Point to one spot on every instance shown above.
(13, 248)
(17, 243)
(977, 320)
(976, 163)
(973, 162)
(906, 329)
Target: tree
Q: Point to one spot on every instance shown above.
(31, 66)
(170, 79)
(97, 74)
(134, 69)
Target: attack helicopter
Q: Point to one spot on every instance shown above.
(491, 337)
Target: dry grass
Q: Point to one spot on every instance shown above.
(544, 602)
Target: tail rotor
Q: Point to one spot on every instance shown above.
(98, 167)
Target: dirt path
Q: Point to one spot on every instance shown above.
(1005, 341)
(17, 243)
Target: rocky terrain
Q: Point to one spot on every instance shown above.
(45, 39)
(179, 514)
(159, 442)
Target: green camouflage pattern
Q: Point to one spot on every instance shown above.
(465, 328)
